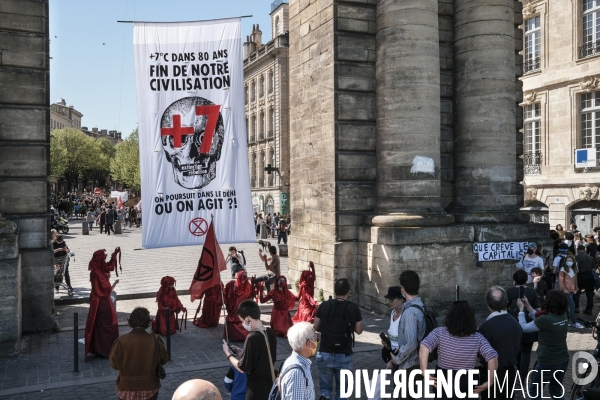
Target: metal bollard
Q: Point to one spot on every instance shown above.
(457, 294)
(75, 343)
(168, 314)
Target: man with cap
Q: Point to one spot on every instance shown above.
(531, 261)
(585, 279)
(563, 251)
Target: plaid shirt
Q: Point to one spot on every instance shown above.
(293, 383)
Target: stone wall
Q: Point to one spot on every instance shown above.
(332, 112)
(24, 131)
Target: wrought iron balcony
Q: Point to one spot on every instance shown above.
(589, 49)
(531, 64)
(532, 163)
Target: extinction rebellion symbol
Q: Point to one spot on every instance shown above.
(204, 272)
(198, 227)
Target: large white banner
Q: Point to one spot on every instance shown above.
(191, 123)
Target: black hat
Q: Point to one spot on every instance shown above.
(581, 247)
(394, 292)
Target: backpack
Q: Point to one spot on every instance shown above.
(430, 324)
(336, 330)
(275, 393)
(243, 256)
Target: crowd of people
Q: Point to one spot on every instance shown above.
(538, 308)
(276, 226)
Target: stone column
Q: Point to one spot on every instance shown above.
(408, 115)
(485, 123)
(10, 287)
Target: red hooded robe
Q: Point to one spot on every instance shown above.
(167, 297)
(236, 292)
(101, 328)
(211, 308)
(283, 302)
(307, 307)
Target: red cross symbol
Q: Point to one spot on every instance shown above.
(177, 131)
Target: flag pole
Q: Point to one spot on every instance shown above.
(221, 286)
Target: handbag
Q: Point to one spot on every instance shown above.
(160, 370)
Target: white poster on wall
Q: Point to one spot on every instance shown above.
(191, 122)
(494, 251)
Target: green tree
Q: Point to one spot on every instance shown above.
(71, 152)
(98, 168)
(125, 166)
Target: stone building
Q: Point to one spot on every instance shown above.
(266, 88)
(561, 104)
(405, 144)
(63, 116)
(26, 292)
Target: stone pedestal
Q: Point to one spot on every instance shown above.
(85, 229)
(442, 256)
(118, 229)
(10, 289)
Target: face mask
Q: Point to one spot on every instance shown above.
(569, 264)
(247, 326)
(530, 251)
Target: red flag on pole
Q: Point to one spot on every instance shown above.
(120, 203)
(210, 265)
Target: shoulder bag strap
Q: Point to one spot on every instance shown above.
(270, 358)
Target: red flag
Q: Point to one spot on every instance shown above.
(210, 265)
(120, 203)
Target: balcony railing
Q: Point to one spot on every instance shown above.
(252, 138)
(253, 182)
(261, 136)
(531, 64)
(270, 181)
(589, 49)
(270, 133)
(532, 163)
(261, 182)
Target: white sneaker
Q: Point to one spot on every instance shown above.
(577, 325)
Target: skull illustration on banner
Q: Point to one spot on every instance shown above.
(192, 135)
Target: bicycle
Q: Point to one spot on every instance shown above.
(592, 389)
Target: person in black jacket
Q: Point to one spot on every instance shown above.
(110, 218)
(504, 334)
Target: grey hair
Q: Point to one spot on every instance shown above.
(299, 333)
(496, 298)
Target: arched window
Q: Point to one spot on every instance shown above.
(272, 122)
(261, 134)
(271, 81)
(262, 85)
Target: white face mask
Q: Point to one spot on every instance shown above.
(247, 327)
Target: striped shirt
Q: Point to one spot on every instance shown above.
(297, 384)
(458, 352)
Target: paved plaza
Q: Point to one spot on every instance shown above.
(45, 367)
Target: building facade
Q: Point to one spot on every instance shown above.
(405, 151)
(63, 116)
(561, 104)
(266, 88)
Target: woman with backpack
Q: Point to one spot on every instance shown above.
(458, 344)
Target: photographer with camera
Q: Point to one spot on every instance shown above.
(235, 261)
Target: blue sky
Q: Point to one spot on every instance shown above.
(92, 54)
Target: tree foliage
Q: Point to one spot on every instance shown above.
(125, 166)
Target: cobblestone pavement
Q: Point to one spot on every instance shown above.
(44, 369)
(143, 269)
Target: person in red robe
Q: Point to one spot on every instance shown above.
(167, 297)
(101, 327)
(283, 301)
(236, 292)
(211, 308)
(307, 306)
